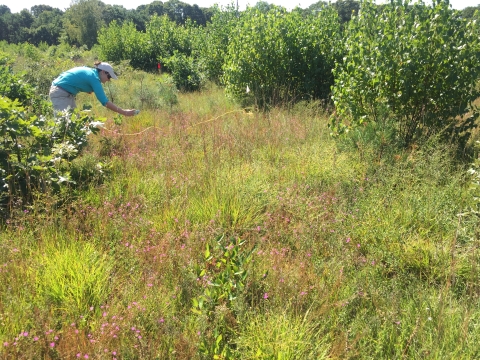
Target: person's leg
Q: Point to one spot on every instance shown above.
(61, 100)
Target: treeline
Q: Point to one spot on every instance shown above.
(80, 23)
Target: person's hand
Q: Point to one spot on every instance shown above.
(129, 112)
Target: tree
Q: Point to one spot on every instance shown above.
(196, 14)
(471, 12)
(47, 25)
(346, 8)
(155, 7)
(4, 9)
(16, 26)
(263, 6)
(36, 10)
(114, 12)
(82, 22)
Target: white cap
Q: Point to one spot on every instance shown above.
(108, 68)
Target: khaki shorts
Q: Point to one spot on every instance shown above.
(61, 99)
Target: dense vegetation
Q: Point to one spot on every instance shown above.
(297, 185)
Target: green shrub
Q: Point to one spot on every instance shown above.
(185, 72)
(35, 150)
(277, 57)
(414, 68)
(210, 47)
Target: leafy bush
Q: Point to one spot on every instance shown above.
(210, 47)
(40, 74)
(87, 170)
(412, 68)
(185, 72)
(162, 38)
(13, 87)
(16, 86)
(34, 151)
(167, 38)
(277, 57)
(144, 91)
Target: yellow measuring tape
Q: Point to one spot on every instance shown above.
(191, 126)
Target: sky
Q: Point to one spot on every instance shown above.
(18, 5)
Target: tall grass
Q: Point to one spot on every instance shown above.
(357, 248)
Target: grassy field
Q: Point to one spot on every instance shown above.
(219, 233)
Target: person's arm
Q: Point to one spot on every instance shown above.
(113, 107)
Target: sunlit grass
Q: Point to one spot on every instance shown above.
(356, 253)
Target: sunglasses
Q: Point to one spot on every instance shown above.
(108, 75)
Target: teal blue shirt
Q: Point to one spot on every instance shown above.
(82, 79)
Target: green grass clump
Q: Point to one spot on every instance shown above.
(72, 277)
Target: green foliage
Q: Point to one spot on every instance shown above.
(72, 278)
(211, 44)
(40, 74)
(411, 68)
(223, 275)
(16, 86)
(161, 40)
(13, 87)
(87, 170)
(122, 42)
(185, 72)
(35, 151)
(358, 254)
(82, 22)
(144, 91)
(166, 38)
(47, 25)
(277, 57)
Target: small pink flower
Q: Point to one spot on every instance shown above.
(35, 338)
(348, 240)
(149, 285)
(52, 344)
(78, 355)
(265, 296)
(5, 343)
(358, 245)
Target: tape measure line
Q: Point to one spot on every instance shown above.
(191, 126)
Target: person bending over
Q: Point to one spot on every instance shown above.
(84, 79)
